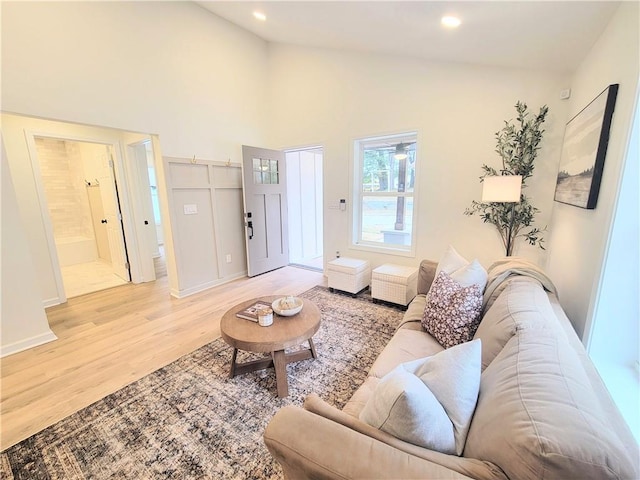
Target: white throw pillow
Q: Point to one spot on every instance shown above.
(451, 261)
(404, 407)
(461, 270)
(430, 401)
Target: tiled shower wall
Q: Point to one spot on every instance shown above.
(64, 184)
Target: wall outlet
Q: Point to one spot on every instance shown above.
(228, 258)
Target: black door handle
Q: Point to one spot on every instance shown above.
(250, 225)
(104, 220)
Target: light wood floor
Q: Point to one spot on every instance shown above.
(111, 338)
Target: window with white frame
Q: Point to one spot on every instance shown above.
(384, 192)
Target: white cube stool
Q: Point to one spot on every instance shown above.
(394, 283)
(348, 274)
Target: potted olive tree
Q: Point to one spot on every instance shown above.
(517, 144)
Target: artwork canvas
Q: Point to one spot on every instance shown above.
(583, 152)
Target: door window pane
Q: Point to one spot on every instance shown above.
(265, 171)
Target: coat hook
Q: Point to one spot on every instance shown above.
(194, 159)
(229, 162)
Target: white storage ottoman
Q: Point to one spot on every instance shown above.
(394, 283)
(348, 274)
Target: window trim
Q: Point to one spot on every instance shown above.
(356, 170)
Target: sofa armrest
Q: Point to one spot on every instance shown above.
(426, 275)
(309, 446)
(464, 466)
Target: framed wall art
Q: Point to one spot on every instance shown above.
(583, 152)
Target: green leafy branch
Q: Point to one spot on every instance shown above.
(518, 145)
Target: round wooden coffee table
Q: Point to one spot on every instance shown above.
(285, 332)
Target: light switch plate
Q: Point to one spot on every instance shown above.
(190, 209)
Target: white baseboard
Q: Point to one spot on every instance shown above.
(27, 343)
(205, 286)
(50, 302)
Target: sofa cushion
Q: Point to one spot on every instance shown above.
(452, 312)
(429, 402)
(361, 396)
(522, 303)
(405, 345)
(537, 416)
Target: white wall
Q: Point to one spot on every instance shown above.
(456, 110)
(170, 68)
(578, 240)
(24, 323)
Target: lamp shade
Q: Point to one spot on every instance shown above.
(501, 188)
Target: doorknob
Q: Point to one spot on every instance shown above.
(250, 225)
(104, 220)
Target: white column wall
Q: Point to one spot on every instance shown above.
(24, 323)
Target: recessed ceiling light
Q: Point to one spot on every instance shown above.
(260, 16)
(450, 21)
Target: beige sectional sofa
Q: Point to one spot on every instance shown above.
(542, 411)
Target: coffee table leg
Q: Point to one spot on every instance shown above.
(312, 347)
(232, 370)
(280, 365)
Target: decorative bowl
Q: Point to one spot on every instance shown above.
(287, 310)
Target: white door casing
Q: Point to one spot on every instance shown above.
(265, 208)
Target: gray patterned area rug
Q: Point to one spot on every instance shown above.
(188, 420)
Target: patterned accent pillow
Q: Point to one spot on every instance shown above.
(452, 312)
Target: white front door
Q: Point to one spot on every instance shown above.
(265, 209)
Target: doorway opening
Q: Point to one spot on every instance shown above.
(304, 193)
(83, 206)
(141, 158)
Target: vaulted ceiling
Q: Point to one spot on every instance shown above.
(548, 35)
